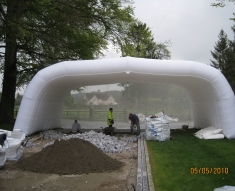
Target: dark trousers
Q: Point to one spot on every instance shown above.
(137, 126)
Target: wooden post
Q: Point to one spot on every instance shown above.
(16, 112)
(91, 114)
(124, 115)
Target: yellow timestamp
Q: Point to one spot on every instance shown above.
(209, 170)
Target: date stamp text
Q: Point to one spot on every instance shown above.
(209, 170)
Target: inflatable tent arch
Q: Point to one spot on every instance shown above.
(213, 101)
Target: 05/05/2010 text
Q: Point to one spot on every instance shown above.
(209, 170)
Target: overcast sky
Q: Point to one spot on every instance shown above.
(191, 25)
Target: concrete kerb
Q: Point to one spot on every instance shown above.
(150, 178)
(144, 176)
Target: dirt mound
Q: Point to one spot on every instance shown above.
(73, 156)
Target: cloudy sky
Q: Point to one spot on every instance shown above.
(191, 25)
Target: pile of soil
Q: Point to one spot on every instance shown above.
(73, 156)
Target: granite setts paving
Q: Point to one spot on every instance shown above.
(142, 173)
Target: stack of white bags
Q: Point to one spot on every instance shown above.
(12, 149)
(157, 128)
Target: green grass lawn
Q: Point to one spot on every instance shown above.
(187, 163)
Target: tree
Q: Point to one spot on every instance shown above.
(140, 43)
(223, 3)
(224, 57)
(36, 34)
(158, 51)
(137, 39)
(18, 99)
(69, 101)
(221, 51)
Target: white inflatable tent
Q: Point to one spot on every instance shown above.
(213, 101)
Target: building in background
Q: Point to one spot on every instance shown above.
(97, 98)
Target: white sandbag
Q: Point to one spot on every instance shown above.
(210, 133)
(3, 154)
(161, 117)
(2, 158)
(217, 131)
(14, 139)
(213, 136)
(17, 134)
(199, 133)
(15, 150)
(5, 131)
(207, 129)
(157, 120)
(171, 119)
(225, 188)
(165, 117)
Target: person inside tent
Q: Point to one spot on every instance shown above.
(110, 120)
(134, 121)
(76, 128)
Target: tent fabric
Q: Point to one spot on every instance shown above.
(213, 101)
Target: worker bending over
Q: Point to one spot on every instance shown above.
(134, 121)
(110, 120)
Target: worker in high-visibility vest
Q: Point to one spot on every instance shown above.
(110, 120)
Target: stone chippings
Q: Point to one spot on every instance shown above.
(106, 143)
